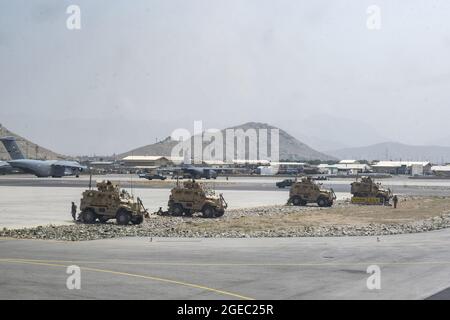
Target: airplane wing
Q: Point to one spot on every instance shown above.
(169, 169)
(5, 167)
(4, 164)
(68, 164)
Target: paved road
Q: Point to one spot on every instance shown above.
(399, 185)
(412, 267)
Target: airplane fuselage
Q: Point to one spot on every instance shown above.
(43, 168)
(40, 168)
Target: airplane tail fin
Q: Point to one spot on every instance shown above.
(12, 148)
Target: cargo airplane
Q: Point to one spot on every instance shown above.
(40, 168)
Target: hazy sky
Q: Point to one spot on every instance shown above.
(139, 69)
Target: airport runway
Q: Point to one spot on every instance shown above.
(28, 201)
(414, 266)
(33, 206)
(399, 185)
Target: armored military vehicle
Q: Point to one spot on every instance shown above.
(366, 191)
(109, 202)
(190, 197)
(307, 191)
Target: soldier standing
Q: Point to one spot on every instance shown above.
(395, 200)
(74, 211)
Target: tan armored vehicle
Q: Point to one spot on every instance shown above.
(191, 197)
(366, 191)
(109, 202)
(307, 191)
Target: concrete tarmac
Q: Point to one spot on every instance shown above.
(398, 184)
(29, 201)
(34, 206)
(414, 266)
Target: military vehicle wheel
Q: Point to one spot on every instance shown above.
(297, 201)
(209, 212)
(103, 219)
(137, 220)
(382, 199)
(177, 210)
(123, 217)
(88, 216)
(188, 213)
(219, 213)
(322, 202)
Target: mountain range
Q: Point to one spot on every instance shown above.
(289, 147)
(395, 151)
(325, 132)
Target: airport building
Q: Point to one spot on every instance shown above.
(150, 161)
(250, 163)
(103, 166)
(289, 167)
(344, 167)
(276, 167)
(441, 171)
(402, 167)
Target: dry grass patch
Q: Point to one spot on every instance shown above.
(343, 214)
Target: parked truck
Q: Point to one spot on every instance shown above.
(307, 191)
(366, 191)
(109, 202)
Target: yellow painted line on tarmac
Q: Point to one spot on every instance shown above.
(181, 283)
(237, 264)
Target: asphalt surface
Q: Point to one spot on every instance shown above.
(48, 201)
(400, 185)
(442, 295)
(414, 266)
(34, 206)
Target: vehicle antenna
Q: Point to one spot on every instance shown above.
(131, 179)
(90, 178)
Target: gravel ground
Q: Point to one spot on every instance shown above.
(243, 223)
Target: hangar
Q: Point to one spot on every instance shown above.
(402, 167)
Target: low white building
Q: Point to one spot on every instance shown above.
(249, 162)
(151, 161)
(442, 171)
(268, 170)
(349, 162)
(402, 167)
(343, 168)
